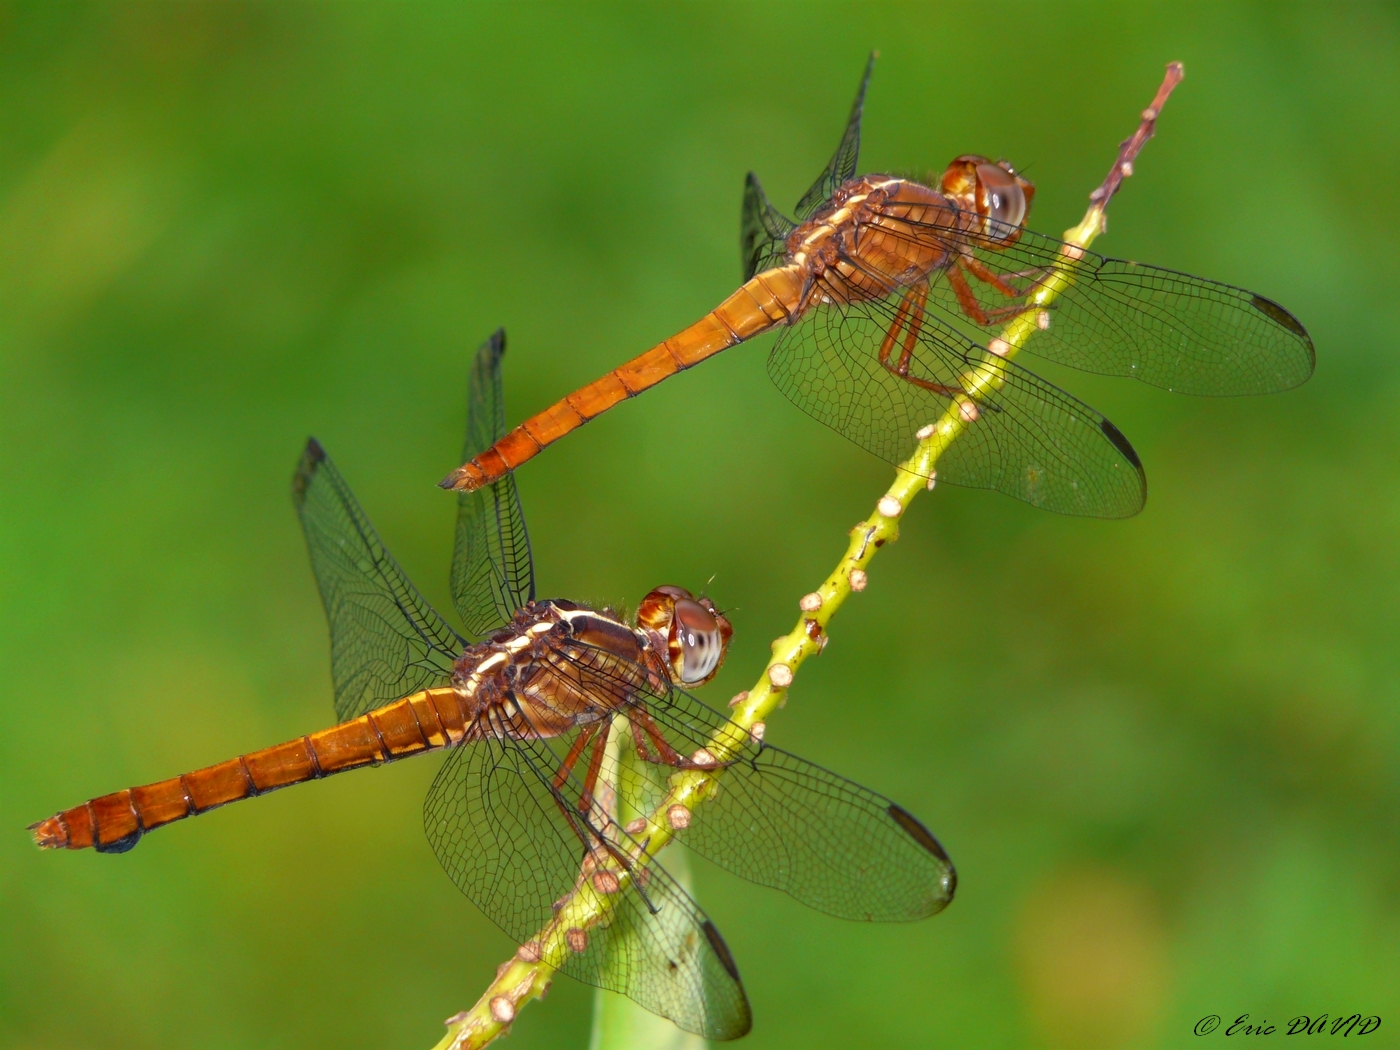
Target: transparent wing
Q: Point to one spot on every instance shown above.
(515, 845)
(386, 640)
(843, 162)
(493, 573)
(1118, 318)
(763, 231)
(1029, 439)
(777, 820)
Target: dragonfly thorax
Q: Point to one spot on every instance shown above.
(559, 664)
(866, 241)
(532, 678)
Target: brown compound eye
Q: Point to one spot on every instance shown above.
(1002, 200)
(701, 640)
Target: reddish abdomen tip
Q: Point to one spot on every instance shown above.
(49, 834)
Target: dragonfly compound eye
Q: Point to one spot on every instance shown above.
(701, 640)
(1003, 200)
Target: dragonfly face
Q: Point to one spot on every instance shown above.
(992, 191)
(692, 633)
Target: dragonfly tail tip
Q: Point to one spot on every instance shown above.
(458, 479)
(48, 834)
(466, 478)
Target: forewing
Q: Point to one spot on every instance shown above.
(1118, 318)
(1030, 439)
(500, 831)
(843, 163)
(763, 231)
(386, 640)
(778, 820)
(493, 573)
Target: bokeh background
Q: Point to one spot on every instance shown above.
(1164, 753)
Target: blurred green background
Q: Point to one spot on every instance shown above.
(1164, 753)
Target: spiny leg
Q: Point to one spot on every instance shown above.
(666, 754)
(602, 849)
(983, 272)
(901, 316)
(567, 765)
(595, 763)
(909, 322)
(643, 726)
(967, 299)
(595, 845)
(561, 776)
(916, 325)
(639, 741)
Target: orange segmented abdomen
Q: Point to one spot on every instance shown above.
(114, 823)
(765, 300)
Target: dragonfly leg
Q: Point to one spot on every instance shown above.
(644, 727)
(639, 736)
(983, 272)
(909, 323)
(967, 299)
(1034, 275)
(592, 833)
(567, 766)
(595, 763)
(595, 845)
(916, 325)
(901, 316)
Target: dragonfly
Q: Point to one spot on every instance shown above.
(533, 715)
(889, 294)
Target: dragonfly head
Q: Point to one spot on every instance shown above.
(692, 633)
(993, 192)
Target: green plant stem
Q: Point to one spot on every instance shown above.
(619, 1023)
(528, 973)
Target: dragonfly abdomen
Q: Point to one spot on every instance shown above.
(765, 300)
(114, 823)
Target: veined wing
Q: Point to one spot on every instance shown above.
(842, 167)
(777, 820)
(763, 231)
(514, 843)
(1119, 318)
(493, 573)
(1029, 439)
(386, 640)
